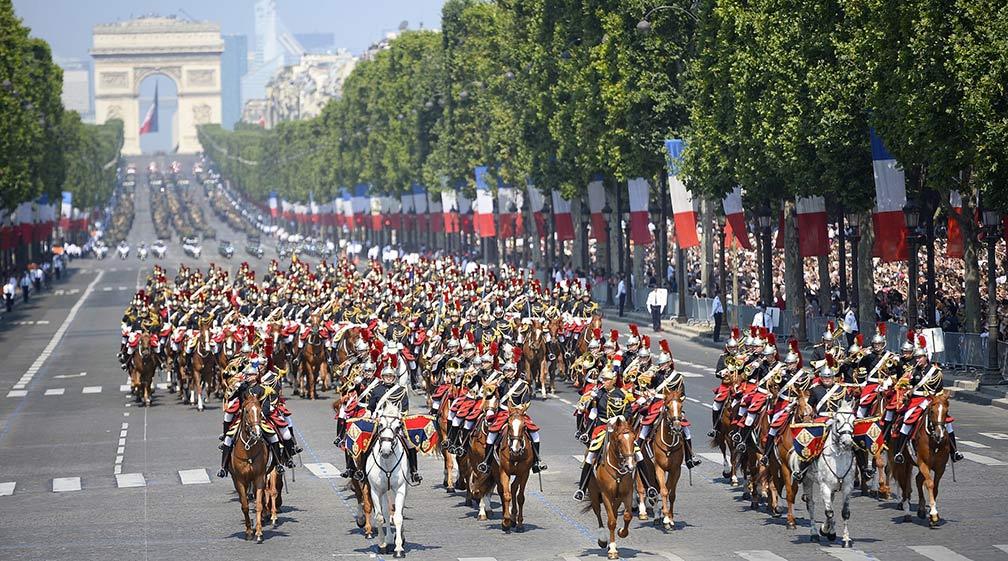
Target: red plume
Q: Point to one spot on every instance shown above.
(250, 336)
(859, 338)
(479, 349)
(646, 342)
(634, 330)
(470, 337)
(880, 327)
(735, 333)
(455, 333)
(793, 344)
(911, 335)
(394, 360)
(375, 353)
(771, 339)
(517, 352)
(830, 326)
(493, 348)
(378, 345)
(921, 342)
(268, 347)
(597, 332)
(664, 346)
(614, 335)
(752, 331)
(830, 361)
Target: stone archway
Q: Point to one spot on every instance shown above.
(187, 52)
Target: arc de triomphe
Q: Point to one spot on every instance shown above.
(187, 52)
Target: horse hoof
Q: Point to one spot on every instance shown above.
(482, 517)
(449, 489)
(399, 554)
(792, 526)
(603, 544)
(623, 533)
(642, 516)
(359, 522)
(259, 539)
(725, 474)
(668, 527)
(368, 535)
(933, 521)
(613, 555)
(776, 512)
(847, 544)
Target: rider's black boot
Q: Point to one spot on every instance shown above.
(768, 449)
(715, 421)
(648, 478)
(411, 457)
(463, 440)
(223, 433)
(586, 469)
(488, 450)
(290, 450)
(225, 460)
(900, 445)
(537, 464)
(956, 455)
(351, 465)
(278, 459)
(452, 435)
(691, 460)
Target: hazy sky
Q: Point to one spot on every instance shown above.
(66, 24)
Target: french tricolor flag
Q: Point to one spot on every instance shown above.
(735, 218)
(150, 122)
(361, 204)
(287, 209)
(812, 238)
(562, 217)
(449, 207)
(348, 211)
(435, 215)
(955, 247)
(638, 190)
(536, 204)
(596, 202)
(890, 197)
(682, 200)
(274, 204)
(375, 211)
(510, 222)
(485, 226)
(465, 208)
(393, 214)
(313, 209)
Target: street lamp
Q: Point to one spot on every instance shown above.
(644, 26)
(721, 223)
(911, 212)
(585, 215)
(854, 233)
(550, 227)
(992, 230)
(606, 212)
(764, 218)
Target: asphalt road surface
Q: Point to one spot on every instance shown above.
(85, 474)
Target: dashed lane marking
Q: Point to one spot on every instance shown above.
(938, 553)
(64, 484)
(193, 476)
(669, 555)
(995, 435)
(130, 480)
(759, 555)
(124, 387)
(78, 375)
(578, 457)
(565, 400)
(323, 470)
(690, 374)
(850, 555)
(17, 393)
(972, 444)
(91, 389)
(477, 559)
(981, 459)
(106, 289)
(1003, 548)
(7, 488)
(55, 391)
(693, 399)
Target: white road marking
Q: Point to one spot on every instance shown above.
(759, 555)
(193, 476)
(19, 386)
(972, 444)
(7, 488)
(938, 553)
(850, 555)
(130, 480)
(107, 289)
(712, 456)
(995, 435)
(477, 559)
(669, 555)
(708, 406)
(693, 399)
(91, 389)
(117, 470)
(124, 426)
(564, 400)
(120, 449)
(71, 375)
(55, 391)
(42, 322)
(119, 459)
(578, 457)
(124, 387)
(64, 484)
(981, 459)
(121, 288)
(126, 414)
(122, 442)
(690, 374)
(122, 434)
(323, 470)
(1003, 548)
(17, 393)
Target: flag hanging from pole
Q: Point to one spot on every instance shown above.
(485, 226)
(596, 202)
(955, 247)
(812, 238)
(563, 224)
(150, 123)
(735, 217)
(638, 190)
(890, 196)
(682, 200)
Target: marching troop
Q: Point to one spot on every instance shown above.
(479, 345)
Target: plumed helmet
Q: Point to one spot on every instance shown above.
(828, 334)
(470, 342)
(770, 348)
(607, 373)
(921, 349)
(645, 348)
(634, 337)
(611, 342)
(793, 356)
(828, 368)
(733, 341)
(908, 345)
(880, 334)
(857, 345)
(665, 356)
(596, 339)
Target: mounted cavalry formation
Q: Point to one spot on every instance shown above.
(483, 348)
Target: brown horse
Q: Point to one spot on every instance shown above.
(249, 458)
(313, 363)
(274, 495)
(480, 486)
(613, 483)
(534, 362)
(202, 368)
(930, 447)
(449, 458)
(722, 433)
(778, 475)
(668, 449)
(586, 334)
(556, 362)
(143, 362)
(514, 453)
(362, 492)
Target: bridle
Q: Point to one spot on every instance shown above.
(936, 427)
(517, 439)
(672, 420)
(624, 463)
(250, 432)
(843, 424)
(390, 431)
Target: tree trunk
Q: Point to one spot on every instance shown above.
(794, 275)
(709, 240)
(971, 271)
(866, 275)
(825, 284)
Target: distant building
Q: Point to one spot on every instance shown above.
(234, 65)
(275, 47)
(317, 43)
(301, 91)
(77, 94)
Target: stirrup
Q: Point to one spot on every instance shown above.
(415, 478)
(651, 492)
(483, 467)
(957, 456)
(539, 466)
(222, 473)
(579, 495)
(358, 475)
(898, 458)
(692, 462)
(712, 434)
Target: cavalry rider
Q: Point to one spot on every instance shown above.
(760, 375)
(877, 364)
(463, 405)
(925, 380)
(389, 395)
(824, 398)
(362, 381)
(652, 387)
(512, 392)
(798, 379)
(585, 308)
(608, 402)
(731, 360)
(247, 380)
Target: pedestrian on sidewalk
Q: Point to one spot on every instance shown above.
(37, 276)
(717, 313)
(9, 290)
(655, 304)
(621, 295)
(850, 325)
(26, 283)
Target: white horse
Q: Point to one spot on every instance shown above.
(833, 472)
(388, 474)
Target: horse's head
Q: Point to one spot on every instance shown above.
(937, 412)
(388, 430)
(843, 424)
(802, 409)
(622, 439)
(251, 415)
(674, 409)
(516, 430)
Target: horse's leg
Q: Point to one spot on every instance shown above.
(504, 485)
(936, 475)
(518, 496)
(397, 519)
(641, 495)
(611, 508)
(661, 478)
(260, 484)
(846, 489)
(810, 507)
(883, 476)
(379, 507)
(932, 495)
(242, 491)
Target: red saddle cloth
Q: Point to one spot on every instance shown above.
(501, 417)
